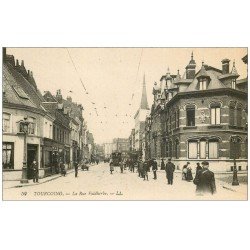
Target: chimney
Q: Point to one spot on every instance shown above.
(22, 63)
(4, 54)
(17, 63)
(225, 66)
(59, 95)
(69, 98)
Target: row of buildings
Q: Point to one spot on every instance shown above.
(56, 131)
(199, 116)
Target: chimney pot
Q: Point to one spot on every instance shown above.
(225, 66)
(17, 62)
(22, 63)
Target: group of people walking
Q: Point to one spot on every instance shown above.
(204, 178)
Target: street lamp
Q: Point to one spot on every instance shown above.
(235, 177)
(24, 124)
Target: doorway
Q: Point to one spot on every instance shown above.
(31, 156)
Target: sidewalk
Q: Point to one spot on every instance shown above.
(17, 184)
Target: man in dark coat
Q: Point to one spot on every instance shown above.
(205, 181)
(170, 168)
(145, 170)
(34, 168)
(154, 168)
(76, 169)
(162, 165)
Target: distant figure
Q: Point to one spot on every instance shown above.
(162, 164)
(76, 169)
(34, 168)
(170, 168)
(111, 167)
(204, 180)
(133, 165)
(97, 161)
(154, 168)
(62, 168)
(189, 176)
(140, 168)
(184, 171)
(121, 166)
(145, 170)
(198, 168)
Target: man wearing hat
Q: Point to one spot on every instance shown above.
(205, 181)
(170, 167)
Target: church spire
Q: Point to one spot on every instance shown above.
(144, 101)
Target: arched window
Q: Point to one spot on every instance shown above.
(215, 112)
(190, 115)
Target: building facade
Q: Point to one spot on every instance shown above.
(200, 116)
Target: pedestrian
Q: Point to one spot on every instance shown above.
(34, 168)
(154, 168)
(189, 176)
(133, 165)
(76, 169)
(111, 167)
(140, 168)
(184, 171)
(121, 166)
(198, 167)
(162, 164)
(145, 170)
(204, 180)
(62, 168)
(170, 168)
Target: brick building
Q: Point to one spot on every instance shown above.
(200, 116)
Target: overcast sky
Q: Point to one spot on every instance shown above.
(110, 78)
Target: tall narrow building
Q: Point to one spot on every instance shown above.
(140, 118)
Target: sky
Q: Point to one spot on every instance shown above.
(112, 78)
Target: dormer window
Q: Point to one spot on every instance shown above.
(203, 83)
(233, 83)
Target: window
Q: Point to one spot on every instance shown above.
(190, 110)
(32, 126)
(50, 131)
(177, 118)
(174, 119)
(8, 155)
(192, 149)
(233, 83)
(235, 148)
(167, 153)
(239, 115)
(215, 114)
(6, 122)
(203, 149)
(231, 114)
(177, 144)
(213, 149)
(203, 84)
(170, 149)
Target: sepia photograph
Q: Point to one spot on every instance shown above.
(124, 123)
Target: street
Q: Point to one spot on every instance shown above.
(99, 184)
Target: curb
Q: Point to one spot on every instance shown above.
(39, 183)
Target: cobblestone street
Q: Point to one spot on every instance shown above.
(99, 184)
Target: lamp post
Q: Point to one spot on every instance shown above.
(235, 177)
(24, 129)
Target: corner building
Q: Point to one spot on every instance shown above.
(201, 116)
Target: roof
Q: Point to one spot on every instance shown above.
(214, 83)
(18, 90)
